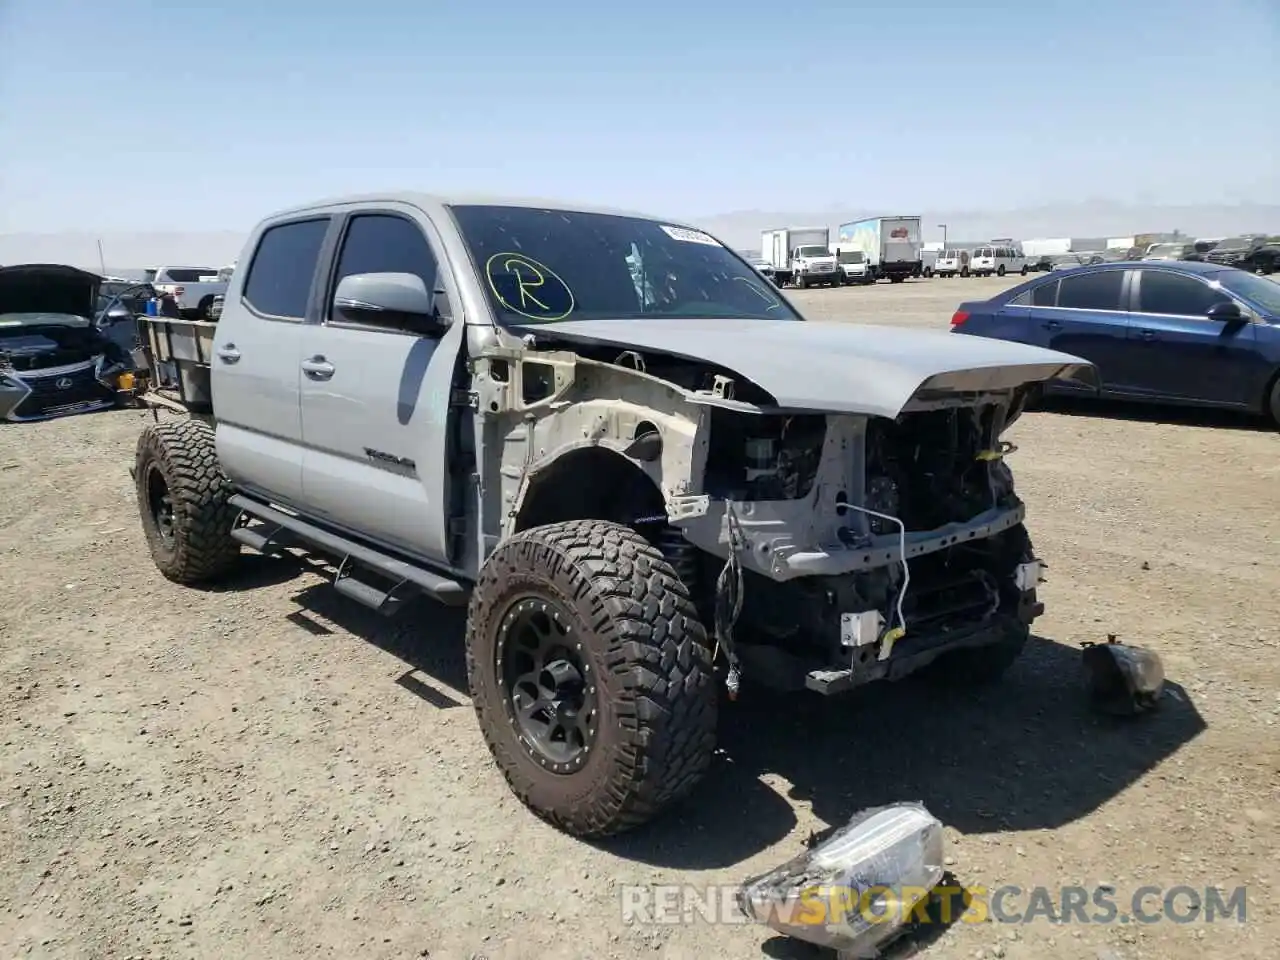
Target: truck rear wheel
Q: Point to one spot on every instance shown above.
(591, 676)
(182, 498)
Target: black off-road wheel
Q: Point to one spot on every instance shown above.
(987, 664)
(182, 499)
(591, 676)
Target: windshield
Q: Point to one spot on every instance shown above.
(1235, 243)
(1260, 291)
(186, 274)
(814, 251)
(853, 256)
(133, 294)
(1165, 250)
(543, 266)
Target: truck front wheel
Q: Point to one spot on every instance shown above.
(591, 676)
(182, 498)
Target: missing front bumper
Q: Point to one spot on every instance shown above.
(915, 651)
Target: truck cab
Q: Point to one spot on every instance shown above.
(855, 267)
(814, 264)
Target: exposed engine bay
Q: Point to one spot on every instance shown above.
(38, 347)
(817, 545)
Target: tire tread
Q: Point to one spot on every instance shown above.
(652, 644)
(186, 453)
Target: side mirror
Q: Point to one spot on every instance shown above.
(395, 299)
(118, 313)
(1226, 311)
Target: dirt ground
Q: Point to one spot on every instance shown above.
(269, 770)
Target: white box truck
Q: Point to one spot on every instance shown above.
(892, 244)
(800, 255)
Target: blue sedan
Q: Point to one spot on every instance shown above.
(1170, 331)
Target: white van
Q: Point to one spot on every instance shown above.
(1001, 257)
(952, 263)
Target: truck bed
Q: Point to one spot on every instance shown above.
(180, 355)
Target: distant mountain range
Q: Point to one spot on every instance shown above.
(741, 229)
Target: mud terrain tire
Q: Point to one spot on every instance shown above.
(644, 663)
(182, 499)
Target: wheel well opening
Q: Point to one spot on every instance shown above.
(590, 484)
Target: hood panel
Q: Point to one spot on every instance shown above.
(48, 288)
(830, 367)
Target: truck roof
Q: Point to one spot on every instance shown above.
(887, 216)
(430, 202)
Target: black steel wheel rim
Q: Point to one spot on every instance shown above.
(160, 503)
(548, 687)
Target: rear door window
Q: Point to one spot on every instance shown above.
(186, 274)
(1045, 295)
(284, 267)
(1099, 290)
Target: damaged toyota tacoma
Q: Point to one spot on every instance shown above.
(639, 466)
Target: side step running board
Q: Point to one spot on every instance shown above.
(405, 576)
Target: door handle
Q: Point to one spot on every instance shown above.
(228, 353)
(1148, 335)
(318, 368)
(1053, 324)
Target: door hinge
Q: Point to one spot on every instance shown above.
(465, 398)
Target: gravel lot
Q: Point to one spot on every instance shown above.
(269, 770)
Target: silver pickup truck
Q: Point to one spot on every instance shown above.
(640, 466)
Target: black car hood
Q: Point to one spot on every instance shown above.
(48, 288)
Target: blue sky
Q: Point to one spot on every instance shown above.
(128, 115)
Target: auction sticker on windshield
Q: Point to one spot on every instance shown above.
(690, 236)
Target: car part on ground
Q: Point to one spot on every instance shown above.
(637, 464)
(1121, 679)
(57, 352)
(857, 890)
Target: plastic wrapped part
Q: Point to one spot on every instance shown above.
(1121, 679)
(856, 890)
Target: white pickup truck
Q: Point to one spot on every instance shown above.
(193, 288)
